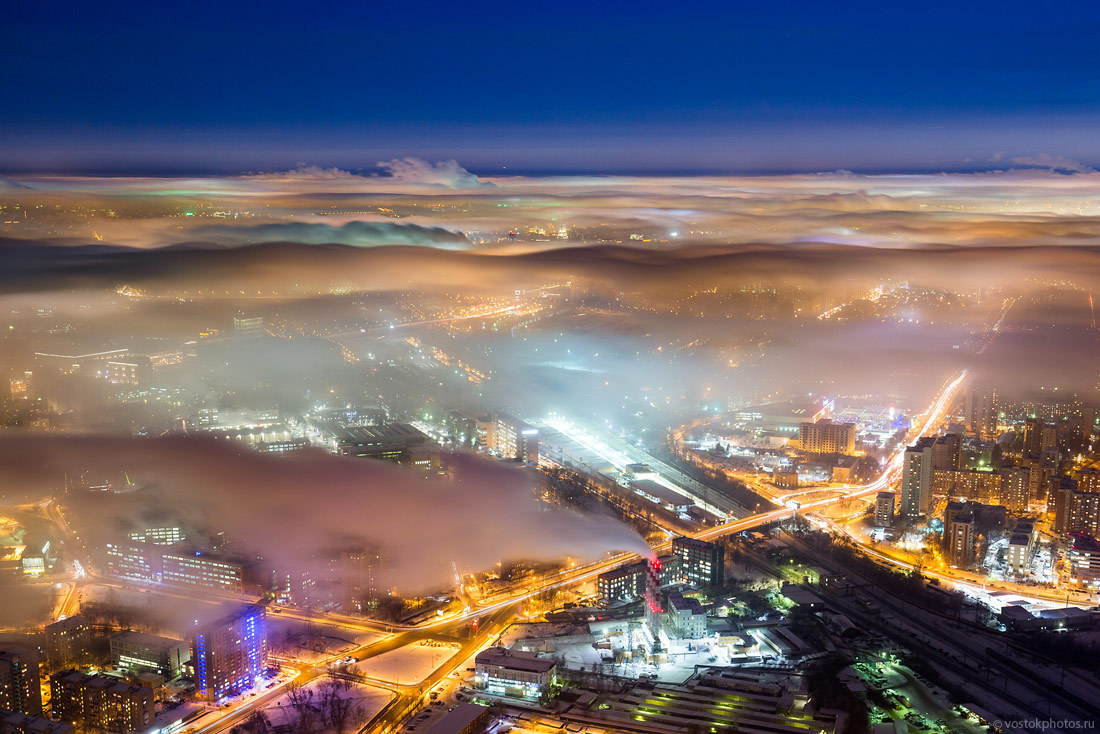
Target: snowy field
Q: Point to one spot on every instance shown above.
(365, 702)
(409, 664)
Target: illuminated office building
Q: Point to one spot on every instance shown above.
(149, 653)
(701, 563)
(509, 438)
(514, 673)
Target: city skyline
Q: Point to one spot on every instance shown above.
(549, 369)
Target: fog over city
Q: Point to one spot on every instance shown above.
(419, 398)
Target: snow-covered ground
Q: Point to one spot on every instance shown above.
(409, 664)
(366, 700)
(312, 643)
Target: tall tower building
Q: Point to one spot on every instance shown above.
(1016, 487)
(1033, 436)
(981, 410)
(884, 509)
(19, 691)
(230, 653)
(947, 452)
(958, 533)
(916, 478)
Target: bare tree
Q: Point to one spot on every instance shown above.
(257, 723)
(301, 702)
(338, 708)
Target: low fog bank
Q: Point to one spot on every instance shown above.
(295, 509)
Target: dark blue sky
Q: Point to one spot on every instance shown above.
(725, 86)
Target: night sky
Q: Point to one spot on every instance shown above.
(113, 87)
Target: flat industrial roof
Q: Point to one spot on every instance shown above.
(375, 433)
(517, 659)
(458, 719)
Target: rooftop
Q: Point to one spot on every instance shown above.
(457, 719)
(515, 659)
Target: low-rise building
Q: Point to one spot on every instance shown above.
(464, 718)
(685, 616)
(627, 583)
(149, 653)
(1021, 543)
(1083, 561)
(514, 673)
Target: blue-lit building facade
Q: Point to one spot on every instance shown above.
(230, 653)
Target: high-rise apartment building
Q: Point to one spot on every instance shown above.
(826, 437)
(1083, 561)
(884, 509)
(916, 478)
(101, 702)
(959, 537)
(1016, 487)
(947, 452)
(230, 653)
(981, 410)
(19, 691)
(68, 642)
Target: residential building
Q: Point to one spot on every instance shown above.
(13, 722)
(916, 478)
(958, 535)
(981, 410)
(19, 685)
(1021, 543)
(884, 509)
(229, 654)
(1016, 487)
(67, 642)
(101, 702)
(826, 437)
(972, 484)
(947, 452)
